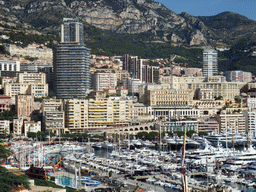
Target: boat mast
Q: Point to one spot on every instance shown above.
(226, 129)
(249, 118)
(183, 165)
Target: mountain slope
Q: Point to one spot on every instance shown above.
(140, 27)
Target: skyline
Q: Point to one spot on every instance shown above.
(212, 7)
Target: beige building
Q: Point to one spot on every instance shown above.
(122, 75)
(145, 88)
(169, 98)
(32, 126)
(4, 127)
(12, 89)
(32, 50)
(93, 115)
(53, 115)
(24, 105)
(28, 83)
(220, 87)
(17, 126)
(218, 84)
(6, 80)
(37, 90)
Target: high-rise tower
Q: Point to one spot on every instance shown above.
(210, 64)
(71, 62)
(72, 31)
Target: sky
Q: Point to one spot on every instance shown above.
(212, 7)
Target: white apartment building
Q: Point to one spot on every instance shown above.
(232, 123)
(9, 65)
(101, 81)
(32, 78)
(54, 121)
(133, 85)
(17, 126)
(239, 76)
(53, 115)
(251, 102)
(52, 105)
(38, 90)
(172, 126)
(174, 113)
(4, 127)
(32, 126)
(250, 120)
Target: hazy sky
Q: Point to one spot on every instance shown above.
(212, 7)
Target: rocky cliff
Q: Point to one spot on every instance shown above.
(131, 17)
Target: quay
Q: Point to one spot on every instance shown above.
(166, 179)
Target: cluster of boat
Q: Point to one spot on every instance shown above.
(135, 143)
(213, 161)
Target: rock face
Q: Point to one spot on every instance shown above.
(122, 16)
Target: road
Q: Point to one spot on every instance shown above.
(142, 185)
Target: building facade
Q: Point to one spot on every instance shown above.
(72, 31)
(210, 63)
(32, 126)
(169, 98)
(71, 62)
(17, 126)
(5, 103)
(53, 116)
(101, 81)
(93, 115)
(24, 105)
(4, 127)
(32, 78)
(37, 90)
(231, 123)
(173, 126)
(8, 66)
(239, 76)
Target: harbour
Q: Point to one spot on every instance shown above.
(91, 165)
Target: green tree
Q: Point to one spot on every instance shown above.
(179, 133)
(31, 134)
(143, 135)
(153, 135)
(4, 152)
(190, 133)
(9, 181)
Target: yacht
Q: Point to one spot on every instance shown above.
(107, 145)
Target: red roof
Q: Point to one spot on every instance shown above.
(4, 97)
(30, 122)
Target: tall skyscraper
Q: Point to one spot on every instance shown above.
(210, 64)
(72, 31)
(71, 62)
